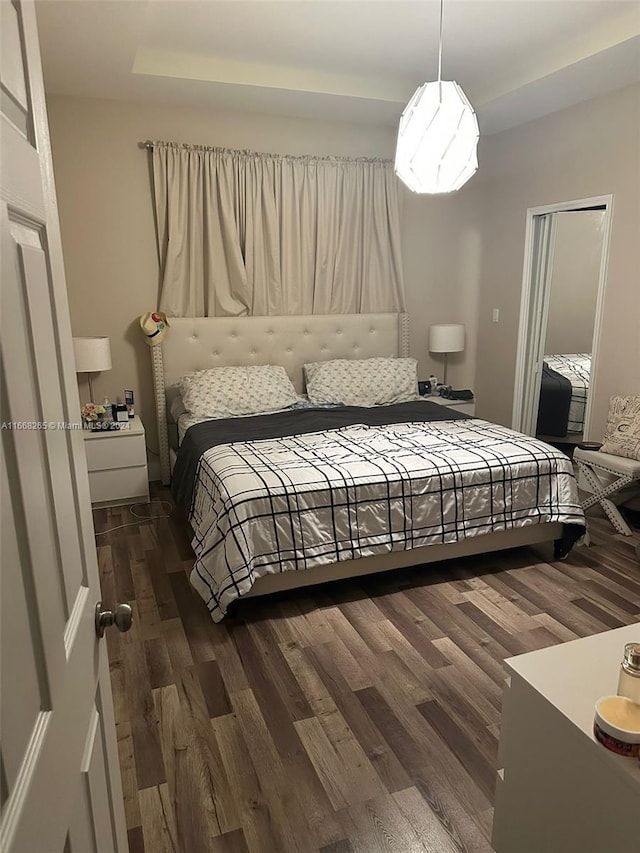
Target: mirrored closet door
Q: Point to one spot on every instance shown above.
(564, 276)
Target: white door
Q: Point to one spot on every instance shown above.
(61, 788)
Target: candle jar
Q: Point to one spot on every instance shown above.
(629, 681)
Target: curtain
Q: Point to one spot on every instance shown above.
(246, 233)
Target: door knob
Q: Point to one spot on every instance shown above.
(121, 617)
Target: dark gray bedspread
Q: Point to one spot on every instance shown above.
(201, 437)
(555, 400)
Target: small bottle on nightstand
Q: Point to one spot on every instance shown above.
(629, 681)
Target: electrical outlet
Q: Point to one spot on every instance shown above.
(495, 316)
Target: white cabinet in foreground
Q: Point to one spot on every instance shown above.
(559, 790)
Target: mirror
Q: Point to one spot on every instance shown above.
(566, 249)
(574, 278)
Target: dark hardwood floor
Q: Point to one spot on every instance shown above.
(353, 718)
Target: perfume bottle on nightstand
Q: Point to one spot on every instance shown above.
(128, 400)
(629, 681)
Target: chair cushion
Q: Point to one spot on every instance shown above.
(622, 433)
(607, 462)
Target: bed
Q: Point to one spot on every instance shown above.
(376, 489)
(563, 394)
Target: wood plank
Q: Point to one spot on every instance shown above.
(213, 688)
(273, 663)
(278, 787)
(390, 770)
(198, 627)
(183, 780)
(327, 764)
(150, 770)
(124, 588)
(230, 842)
(600, 612)
(167, 607)
(158, 825)
(135, 839)
(406, 748)
(453, 696)
(145, 597)
(260, 832)
(434, 835)
(560, 632)
(442, 759)
(134, 544)
(511, 642)
(128, 775)
(481, 692)
(415, 625)
(342, 846)
(203, 754)
(176, 643)
(353, 674)
(379, 825)
(455, 623)
(462, 824)
(148, 536)
(467, 751)
(158, 662)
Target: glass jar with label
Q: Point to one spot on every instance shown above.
(629, 681)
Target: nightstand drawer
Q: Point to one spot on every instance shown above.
(115, 451)
(119, 485)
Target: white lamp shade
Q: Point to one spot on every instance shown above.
(446, 337)
(92, 354)
(437, 139)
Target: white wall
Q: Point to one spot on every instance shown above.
(442, 257)
(587, 150)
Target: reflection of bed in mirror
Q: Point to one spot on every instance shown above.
(563, 395)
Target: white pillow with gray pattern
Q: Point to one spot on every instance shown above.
(362, 382)
(622, 433)
(228, 392)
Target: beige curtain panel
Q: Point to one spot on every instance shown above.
(246, 233)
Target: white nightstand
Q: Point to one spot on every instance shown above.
(467, 407)
(117, 463)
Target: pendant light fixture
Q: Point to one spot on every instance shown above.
(438, 136)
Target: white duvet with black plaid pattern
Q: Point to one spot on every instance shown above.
(291, 503)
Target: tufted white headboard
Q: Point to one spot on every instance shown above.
(196, 343)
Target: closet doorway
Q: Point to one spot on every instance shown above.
(565, 267)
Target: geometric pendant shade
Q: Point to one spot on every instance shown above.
(437, 139)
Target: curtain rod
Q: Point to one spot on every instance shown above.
(150, 145)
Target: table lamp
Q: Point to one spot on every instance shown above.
(92, 355)
(446, 338)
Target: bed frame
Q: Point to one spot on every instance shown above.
(196, 343)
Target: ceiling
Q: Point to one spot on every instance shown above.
(353, 60)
